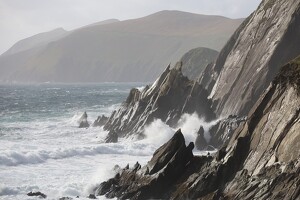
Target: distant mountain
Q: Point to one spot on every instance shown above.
(131, 50)
(195, 61)
(36, 41)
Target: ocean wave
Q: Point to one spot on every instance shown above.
(10, 190)
(4, 190)
(14, 158)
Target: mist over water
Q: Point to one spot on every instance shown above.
(41, 148)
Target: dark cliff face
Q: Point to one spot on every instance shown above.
(261, 161)
(170, 96)
(253, 56)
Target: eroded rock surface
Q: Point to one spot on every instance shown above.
(100, 121)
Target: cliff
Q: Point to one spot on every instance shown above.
(170, 96)
(261, 160)
(252, 57)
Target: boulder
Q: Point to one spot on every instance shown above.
(200, 141)
(38, 194)
(83, 123)
(100, 121)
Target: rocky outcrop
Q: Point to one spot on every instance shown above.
(261, 161)
(112, 137)
(195, 61)
(150, 181)
(250, 60)
(37, 194)
(100, 121)
(83, 122)
(170, 96)
(218, 134)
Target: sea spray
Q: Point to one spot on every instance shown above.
(159, 132)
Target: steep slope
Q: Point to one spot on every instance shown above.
(262, 160)
(36, 41)
(195, 61)
(253, 55)
(119, 51)
(170, 96)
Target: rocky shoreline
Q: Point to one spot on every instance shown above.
(248, 168)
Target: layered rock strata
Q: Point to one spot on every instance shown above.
(247, 64)
(261, 161)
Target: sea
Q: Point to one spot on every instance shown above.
(42, 148)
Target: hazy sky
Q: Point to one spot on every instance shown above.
(23, 18)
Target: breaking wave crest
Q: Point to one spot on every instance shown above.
(14, 158)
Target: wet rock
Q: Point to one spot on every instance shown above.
(150, 181)
(92, 196)
(83, 123)
(65, 198)
(219, 134)
(112, 137)
(39, 194)
(200, 142)
(100, 121)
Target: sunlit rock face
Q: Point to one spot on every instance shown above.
(265, 41)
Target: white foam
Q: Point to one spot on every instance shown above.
(158, 132)
(14, 158)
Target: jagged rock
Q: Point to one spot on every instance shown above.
(92, 196)
(260, 161)
(250, 60)
(39, 194)
(219, 134)
(100, 121)
(65, 198)
(150, 181)
(170, 96)
(112, 137)
(200, 142)
(83, 123)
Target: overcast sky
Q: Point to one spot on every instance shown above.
(23, 18)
